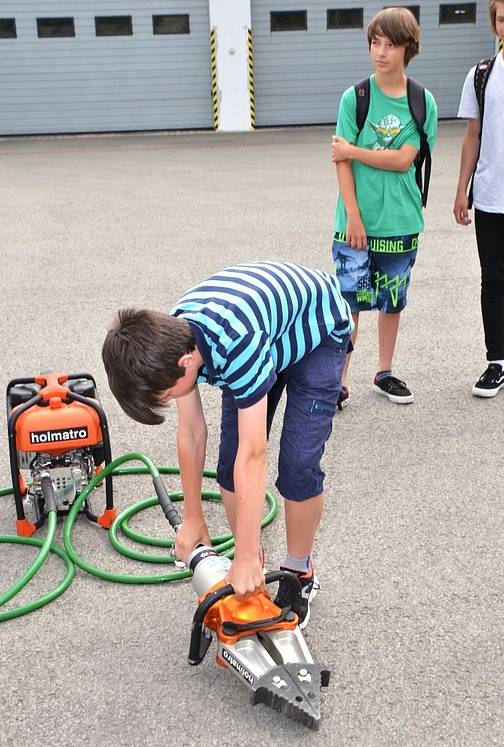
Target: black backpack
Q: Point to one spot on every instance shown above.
(481, 76)
(418, 109)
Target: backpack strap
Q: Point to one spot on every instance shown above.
(418, 109)
(481, 76)
(361, 104)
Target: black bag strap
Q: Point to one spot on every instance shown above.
(481, 75)
(362, 104)
(418, 109)
(416, 102)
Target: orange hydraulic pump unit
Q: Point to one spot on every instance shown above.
(57, 428)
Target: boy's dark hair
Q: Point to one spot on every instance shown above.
(400, 26)
(140, 354)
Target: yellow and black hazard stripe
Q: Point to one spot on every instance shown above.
(215, 93)
(250, 64)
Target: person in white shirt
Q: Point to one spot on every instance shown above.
(483, 155)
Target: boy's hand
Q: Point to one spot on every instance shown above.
(341, 149)
(190, 535)
(355, 232)
(246, 577)
(460, 209)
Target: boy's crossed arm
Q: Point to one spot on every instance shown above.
(389, 160)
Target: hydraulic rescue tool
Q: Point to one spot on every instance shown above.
(261, 643)
(58, 441)
(59, 446)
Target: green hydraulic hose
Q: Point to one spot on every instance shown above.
(46, 546)
(223, 544)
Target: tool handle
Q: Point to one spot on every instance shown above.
(195, 647)
(165, 503)
(293, 580)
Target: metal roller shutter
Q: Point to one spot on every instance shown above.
(90, 83)
(300, 75)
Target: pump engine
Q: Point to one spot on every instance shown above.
(57, 430)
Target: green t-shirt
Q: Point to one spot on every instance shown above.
(390, 202)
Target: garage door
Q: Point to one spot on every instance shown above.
(90, 66)
(307, 53)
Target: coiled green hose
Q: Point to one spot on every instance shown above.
(223, 543)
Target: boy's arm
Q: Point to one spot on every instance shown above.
(389, 160)
(246, 574)
(468, 158)
(191, 445)
(355, 230)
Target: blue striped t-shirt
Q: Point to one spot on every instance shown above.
(253, 320)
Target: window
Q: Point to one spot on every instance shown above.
(288, 20)
(113, 26)
(170, 24)
(348, 18)
(7, 28)
(461, 13)
(49, 28)
(415, 9)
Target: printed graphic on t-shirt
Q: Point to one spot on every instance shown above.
(386, 131)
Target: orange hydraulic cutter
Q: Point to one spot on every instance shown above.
(56, 427)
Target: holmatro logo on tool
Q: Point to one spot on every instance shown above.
(60, 434)
(230, 659)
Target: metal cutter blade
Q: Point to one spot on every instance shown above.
(293, 689)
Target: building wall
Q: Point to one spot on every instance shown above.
(89, 83)
(300, 75)
(143, 81)
(231, 23)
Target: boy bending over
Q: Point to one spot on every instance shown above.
(252, 330)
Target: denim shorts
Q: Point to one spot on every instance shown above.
(378, 276)
(312, 385)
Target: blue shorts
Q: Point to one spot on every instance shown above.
(313, 385)
(378, 276)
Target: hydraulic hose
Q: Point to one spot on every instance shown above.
(46, 545)
(223, 543)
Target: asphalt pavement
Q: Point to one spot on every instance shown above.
(410, 551)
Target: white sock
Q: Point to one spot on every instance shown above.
(296, 564)
(501, 363)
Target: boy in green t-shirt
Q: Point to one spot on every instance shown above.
(379, 210)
